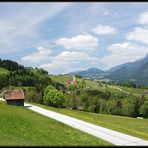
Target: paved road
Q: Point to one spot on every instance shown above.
(111, 136)
(1, 99)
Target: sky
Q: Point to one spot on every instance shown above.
(62, 37)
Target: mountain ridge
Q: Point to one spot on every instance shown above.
(136, 72)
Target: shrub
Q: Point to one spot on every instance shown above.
(84, 100)
(144, 109)
(114, 106)
(92, 108)
(103, 106)
(53, 97)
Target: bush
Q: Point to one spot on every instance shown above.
(128, 108)
(84, 100)
(114, 106)
(103, 106)
(30, 95)
(144, 109)
(53, 97)
(92, 108)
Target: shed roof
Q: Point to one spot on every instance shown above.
(13, 94)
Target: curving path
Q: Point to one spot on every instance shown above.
(111, 136)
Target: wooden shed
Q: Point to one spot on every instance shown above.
(14, 97)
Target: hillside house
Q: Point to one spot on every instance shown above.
(74, 81)
(14, 97)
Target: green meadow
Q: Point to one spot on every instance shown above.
(128, 125)
(23, 127)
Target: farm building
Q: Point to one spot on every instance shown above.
(14, 97)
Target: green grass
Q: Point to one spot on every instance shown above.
(91, 84)
(132, 126)
(20, 126)
(3, 71)
(132, 90)
(63, 80)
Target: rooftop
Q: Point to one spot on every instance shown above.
(13, 94)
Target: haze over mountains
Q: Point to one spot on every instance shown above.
(136, 72)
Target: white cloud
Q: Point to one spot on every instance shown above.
(20, 31)
(139, 34)
(102, 30)
(80, 42)
(42, 54)
(122, 53)
(66, 59)
(143, 18)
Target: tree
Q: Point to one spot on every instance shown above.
(128, 108)
(114, 106)
(84, 100)
(97, 104)
(53, 97)
(144, 109)
(30, 95)
(103, 106)
(78, 76)
(73, 101)
(91, 108)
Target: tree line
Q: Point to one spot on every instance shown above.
(38, 87)
(36, 79)
(97, 101)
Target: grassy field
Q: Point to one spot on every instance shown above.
(94, 85)
(132, 90)
(3, 71)
(22, 127)
(63, 80)
(91, 84)
(132, 126)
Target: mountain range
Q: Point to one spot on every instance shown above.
(136, 72)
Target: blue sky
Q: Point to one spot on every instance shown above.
(64, 37)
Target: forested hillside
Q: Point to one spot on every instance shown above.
(32, 80)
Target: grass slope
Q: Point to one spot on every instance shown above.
(63, 80)
(22, 127)
(133, 90)
(3, 71)
(132, 126)
(94, 85)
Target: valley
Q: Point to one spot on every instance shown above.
(74, 74)
(115, 106)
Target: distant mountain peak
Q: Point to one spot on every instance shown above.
(137, 71)
(92, 73)
(95, 69)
